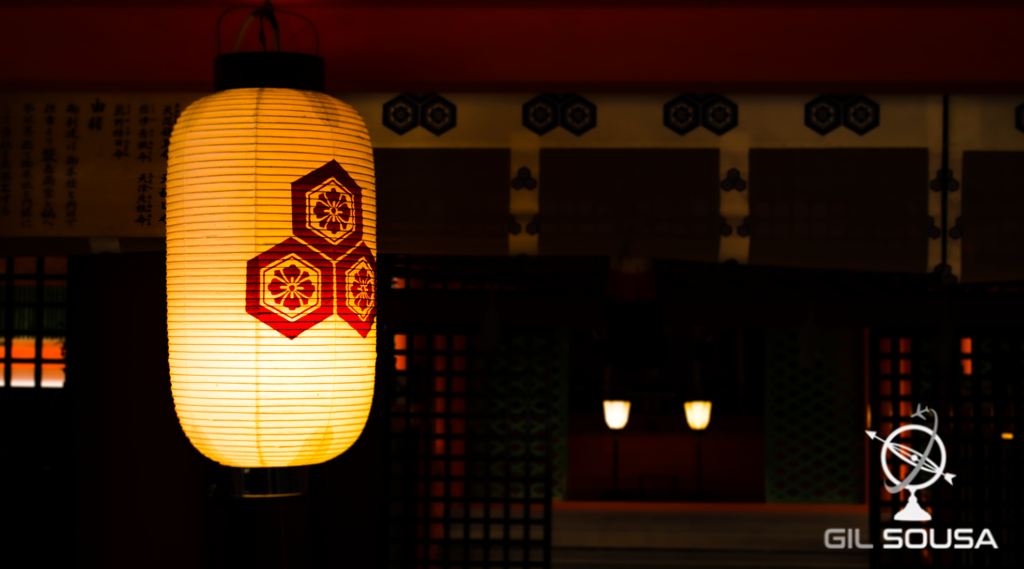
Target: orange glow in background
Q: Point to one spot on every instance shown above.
(965, 345)
(23, 347)
(968, 367)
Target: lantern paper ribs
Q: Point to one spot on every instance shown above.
(271, 284)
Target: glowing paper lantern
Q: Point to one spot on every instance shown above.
(698, 414)
(616, 414)
(271, 271)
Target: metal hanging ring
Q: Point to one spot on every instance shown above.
(267, 11)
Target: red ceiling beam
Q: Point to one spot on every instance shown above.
(770, 49)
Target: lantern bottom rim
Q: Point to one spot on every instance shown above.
(269, 482)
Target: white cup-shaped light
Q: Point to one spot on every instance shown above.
(698, 414)
(616, 414)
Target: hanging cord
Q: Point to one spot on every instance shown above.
(267, 12)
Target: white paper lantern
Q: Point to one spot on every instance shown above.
(271, 272)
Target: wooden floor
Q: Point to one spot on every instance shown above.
(594, 558)
(602, 535)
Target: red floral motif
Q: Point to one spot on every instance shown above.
(362, 290)
(291, 287)
(288, 287)
(332, 212)
(327, 210)
(356, 275)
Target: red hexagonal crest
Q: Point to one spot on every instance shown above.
(327, 210)
(289, 288)
(356, 281)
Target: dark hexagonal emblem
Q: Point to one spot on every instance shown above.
(289, 288)
(1019, 117)
(944, 176)
(682, 114)
(514, 227)
(327, 210)
(860, 114)
(401, 114)
(719, 115)
(733, 181)
(533, 227)
(540, 114)
(438, 115)
(578, 115)
(524, 179)
(356, 284)
(823, 115)
(956, 232)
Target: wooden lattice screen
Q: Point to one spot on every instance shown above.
(978, 397)
(474, 434)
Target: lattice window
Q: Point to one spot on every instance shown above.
(814, 416)
(978, 399)
(33, 299)
(574, 275)
(471, 453)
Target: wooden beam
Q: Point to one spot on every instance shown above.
(532, 49)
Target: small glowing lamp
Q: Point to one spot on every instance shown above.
(1007, 436)
(698, 414)
(616, 414)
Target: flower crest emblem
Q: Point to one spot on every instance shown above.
(327, 210)
(288, 287)
(357, 289)
(324, 267)
(291, 287)
(332, 212)
(361, 293)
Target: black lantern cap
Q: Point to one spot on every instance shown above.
(269, 69)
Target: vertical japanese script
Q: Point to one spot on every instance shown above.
(144, 201)
(71, 163)
(49, 164)
(122, 131)
(96, 120)
(80, 164)
(145, 130)
(5, 161)
(170, 117)
(168, 120)
(163, 198)
(28, 120)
